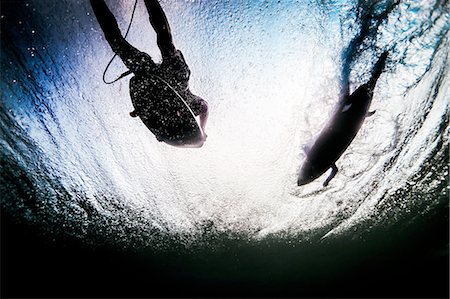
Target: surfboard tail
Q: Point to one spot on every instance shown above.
(378, 69)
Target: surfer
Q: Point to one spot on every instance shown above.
(340, 130)
(172, 73)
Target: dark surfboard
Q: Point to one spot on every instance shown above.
(164, 112)
(340, 130)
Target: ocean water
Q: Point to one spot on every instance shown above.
(93, 205)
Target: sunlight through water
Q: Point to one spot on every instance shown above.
(271, 72)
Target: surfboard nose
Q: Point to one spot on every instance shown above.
(303, 177)
(301, 182)
(307, 173)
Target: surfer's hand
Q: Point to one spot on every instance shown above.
(204, 135)
(133, 113)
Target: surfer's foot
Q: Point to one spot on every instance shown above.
(133, 113)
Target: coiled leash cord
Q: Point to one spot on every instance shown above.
(115, 55)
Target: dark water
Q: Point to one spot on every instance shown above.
(400, 262)
(92, 205)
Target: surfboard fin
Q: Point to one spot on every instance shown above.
(370, 113)
(334, 171)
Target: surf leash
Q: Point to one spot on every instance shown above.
(114, 56)
(153, 75)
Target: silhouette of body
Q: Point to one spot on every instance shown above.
(340, 130)
(172, 71)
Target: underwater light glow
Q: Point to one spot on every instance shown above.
(271, 73)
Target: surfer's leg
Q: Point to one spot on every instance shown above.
(131, 57)
(161, 26)
(377, 70)
(334, 170)
(110, 29)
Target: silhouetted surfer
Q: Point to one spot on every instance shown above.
(157, 88)
(340, 130)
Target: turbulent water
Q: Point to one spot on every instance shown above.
(74, 163)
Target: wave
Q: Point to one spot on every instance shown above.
(74, 163)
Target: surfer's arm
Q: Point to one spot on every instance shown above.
(161, 25)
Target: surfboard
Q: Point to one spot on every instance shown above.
(164, 112)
